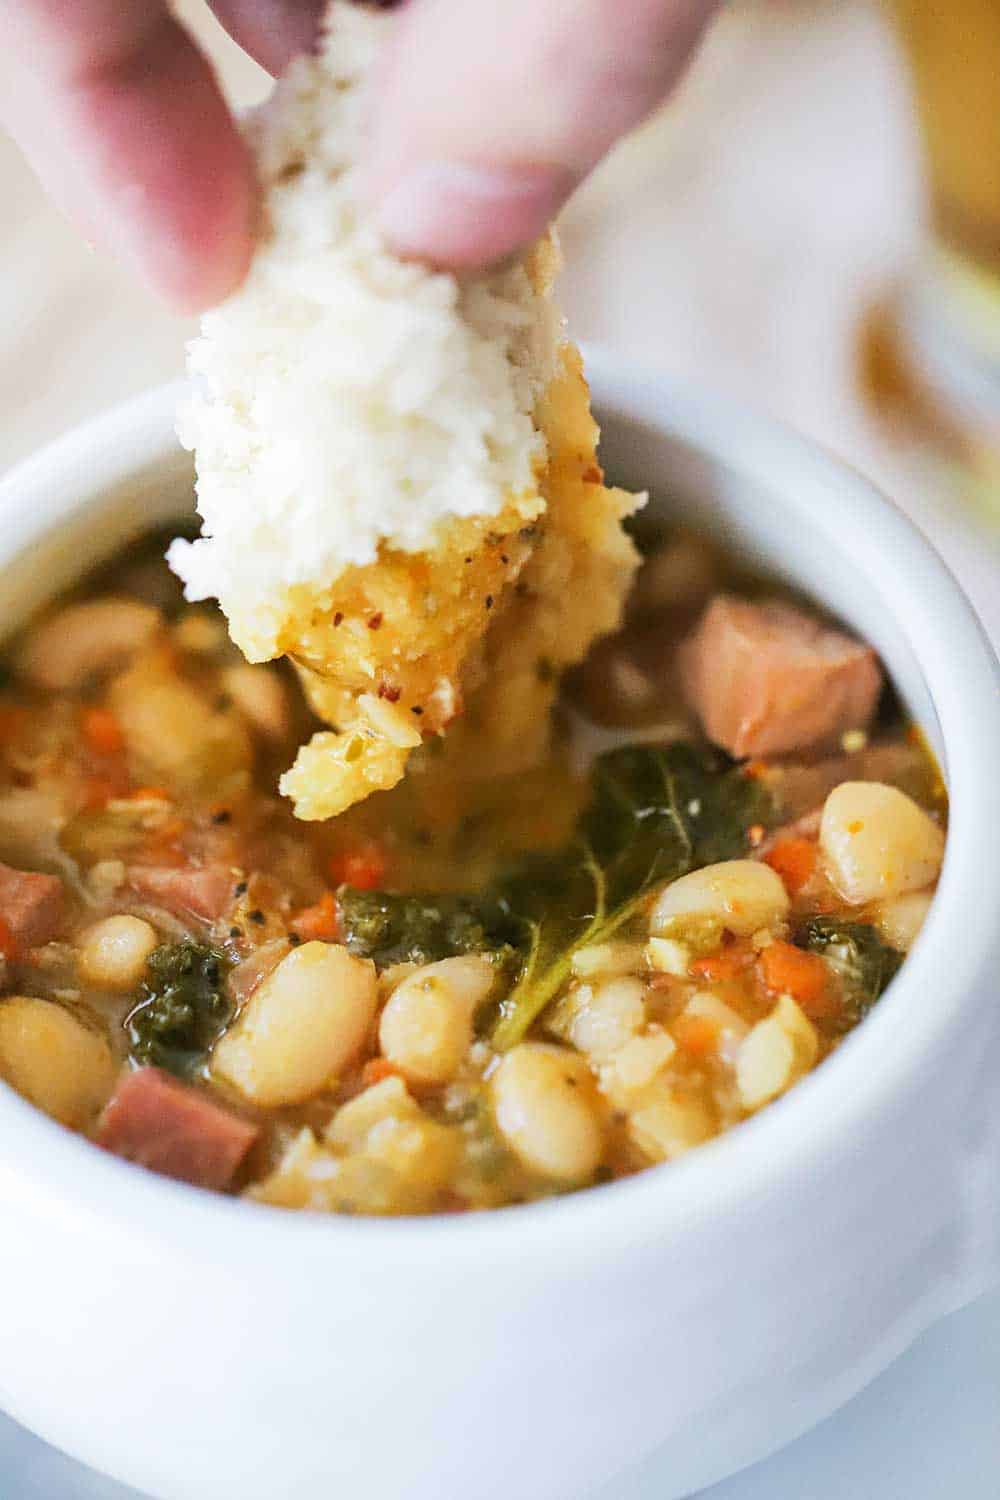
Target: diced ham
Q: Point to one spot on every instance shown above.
(766, 678)
(161, 1124)
(30, 905)
(185, 889)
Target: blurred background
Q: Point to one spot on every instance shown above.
(813, 226)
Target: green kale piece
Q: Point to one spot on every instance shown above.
(855, 951)
(393, 929)
(183, 1008)
(654, 814)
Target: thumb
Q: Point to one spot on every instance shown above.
(488, 115)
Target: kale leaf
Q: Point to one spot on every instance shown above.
(395, 929)
(653, 816)
(855, 951)
(183, 1008)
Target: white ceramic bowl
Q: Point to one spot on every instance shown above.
(196, 1346)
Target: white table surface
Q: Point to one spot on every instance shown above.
(736, 243)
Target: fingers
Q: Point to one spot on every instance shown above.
(488, 115)
(124, 122)
(272, 31)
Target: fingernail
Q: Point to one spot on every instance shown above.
(455, 214)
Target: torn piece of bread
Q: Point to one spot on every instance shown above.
(396, 467)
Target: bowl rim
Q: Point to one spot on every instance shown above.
(63, 1172)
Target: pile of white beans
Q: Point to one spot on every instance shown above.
(604, 1059)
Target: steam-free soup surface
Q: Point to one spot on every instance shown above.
(472, 991)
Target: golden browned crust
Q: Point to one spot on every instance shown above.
(472, 636)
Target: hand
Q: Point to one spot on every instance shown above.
(489, 114)
(492, 111)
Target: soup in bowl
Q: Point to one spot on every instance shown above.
(665, 995)
(490, 984)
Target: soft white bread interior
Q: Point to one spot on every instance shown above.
(397, 474)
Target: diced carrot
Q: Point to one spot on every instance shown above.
(363, 868)
(695, 1035)
(149, 794)
(726, 964)
(788, 970)
(377, 1070)
(320, 921)
(794, 860)
(8, 942)
(102, 731)
(718, 966)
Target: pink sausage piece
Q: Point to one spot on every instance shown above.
(766, 678)
(205, 892)
(153, 1120)
(30, 904)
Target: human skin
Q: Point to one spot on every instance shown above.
(488, 114)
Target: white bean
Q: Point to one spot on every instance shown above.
(606, 960)
(668, 956)
(544, 1110)
(630, 1071)
(877, 842)
(301, 1027)
(899, 920)
(670, 1124)
(174, 730)
(113, 952)
(404, 1169)
(352, 1125)
(740, 895)
(604, 1016)
(54, 1060)
(775, 1053)
(426, 1026)
(85, 639)
(731, 1025)
(386, 1124)
(200, 633)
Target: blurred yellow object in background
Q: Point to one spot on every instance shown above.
(954, 53)
(949, 316)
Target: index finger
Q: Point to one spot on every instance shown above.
(489, 115)
(124, 122)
